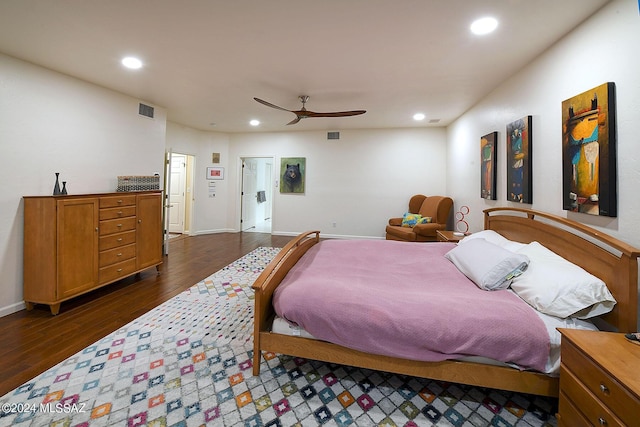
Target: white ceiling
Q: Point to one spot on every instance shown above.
(205, 60)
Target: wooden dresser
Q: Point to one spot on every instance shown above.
(75, 244)
(599, 380)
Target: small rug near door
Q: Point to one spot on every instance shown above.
(188, 363)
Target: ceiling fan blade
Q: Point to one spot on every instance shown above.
(336, 114)
(303, 113)
(268, 104)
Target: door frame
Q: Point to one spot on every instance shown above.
(241, 158)
(184, 220)
(189, 196)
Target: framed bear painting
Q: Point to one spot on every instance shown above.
(292, 174)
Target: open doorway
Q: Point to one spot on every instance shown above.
(256, 194)
(179, 194)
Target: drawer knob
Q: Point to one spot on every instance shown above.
(120, 213)
(119, 201)
(119, 225)
(119, 270)
(120, 254)
(602, 421)
(604, 389)
(119, 239)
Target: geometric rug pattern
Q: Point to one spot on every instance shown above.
(188, 363)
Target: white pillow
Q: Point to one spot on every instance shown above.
(560, 288)
(495, 238)
(488, 265)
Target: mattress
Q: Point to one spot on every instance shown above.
(281, 326)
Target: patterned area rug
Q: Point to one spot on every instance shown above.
(188, 363)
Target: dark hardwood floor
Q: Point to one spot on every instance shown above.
(34, 341)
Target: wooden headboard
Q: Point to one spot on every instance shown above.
(604, 256)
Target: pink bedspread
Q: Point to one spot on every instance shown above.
(406, 300)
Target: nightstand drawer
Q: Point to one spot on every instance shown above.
(600, 384)
(575, 393)
(569, 415)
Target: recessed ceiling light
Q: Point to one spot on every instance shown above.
(131, 62)
(484, 25)
(254, 122)
(418, 116)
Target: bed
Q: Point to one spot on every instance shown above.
(610, 259)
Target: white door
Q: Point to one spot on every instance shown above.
(177, 192)
(249, 194)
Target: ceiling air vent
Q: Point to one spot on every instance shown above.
(333, 135)
(145, 110)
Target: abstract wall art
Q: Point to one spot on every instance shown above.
(589, 183)
(519, 179)
(488, 177)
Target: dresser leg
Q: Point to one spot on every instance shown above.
(55, 308)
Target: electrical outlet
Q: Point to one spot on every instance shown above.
(333, 224)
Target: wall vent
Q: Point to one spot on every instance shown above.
(333, 135)
(145, 110)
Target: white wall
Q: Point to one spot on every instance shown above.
(209, 213)
(357, 182)
(601, 50)
(51, 123)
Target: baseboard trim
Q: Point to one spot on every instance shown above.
(13, 308)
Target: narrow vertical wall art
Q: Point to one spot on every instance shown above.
(519, 178)
(488, 171)
(589, 183)
(292, 174)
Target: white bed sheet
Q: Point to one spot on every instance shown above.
(281, 326)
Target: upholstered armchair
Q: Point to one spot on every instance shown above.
(430, 214)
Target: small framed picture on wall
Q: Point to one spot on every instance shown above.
(215, 173)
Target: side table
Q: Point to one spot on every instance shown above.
(449, 236)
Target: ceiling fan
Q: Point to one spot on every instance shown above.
(303, 113)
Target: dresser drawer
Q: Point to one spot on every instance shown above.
(600, 384)
(118, 254)
(569, 415)
(120, 212)
(594, 411)
(114, 240)
(117, 271)
(111, 226)
(116, 201)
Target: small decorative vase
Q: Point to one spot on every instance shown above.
(64, 187)
(56, 188)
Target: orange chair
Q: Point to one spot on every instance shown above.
(435, 208)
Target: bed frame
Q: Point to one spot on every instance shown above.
(612, 260)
